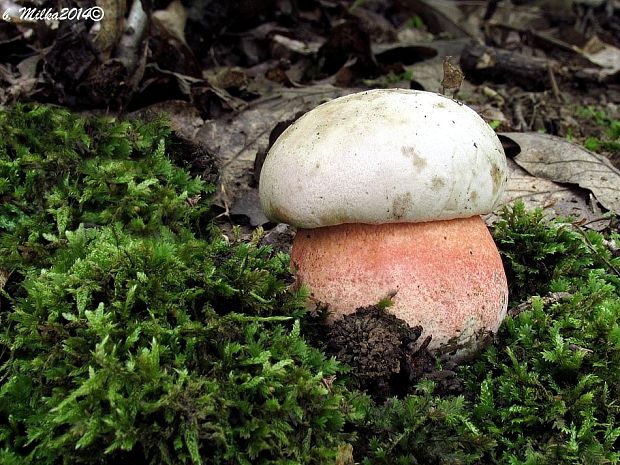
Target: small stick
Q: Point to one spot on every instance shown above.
(549, 299)
(554, 85)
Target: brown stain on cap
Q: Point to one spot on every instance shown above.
(411, 153)
(401, 204)
(496, 177)
(438, 182)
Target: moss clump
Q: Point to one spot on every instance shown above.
(129, 333)
(541, 257)
(123, 351)
(548, 390)
(58, 170)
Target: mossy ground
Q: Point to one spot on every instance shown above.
(133, 333)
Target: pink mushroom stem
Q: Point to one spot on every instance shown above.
(446, 276)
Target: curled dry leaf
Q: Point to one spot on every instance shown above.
(237, 139)
(553, 198)
(602, 54)
(559, 160)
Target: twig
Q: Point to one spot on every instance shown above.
(135, 28)
(519, 116)
(549, 299)
(554, 84)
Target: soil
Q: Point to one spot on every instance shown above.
(386, 356)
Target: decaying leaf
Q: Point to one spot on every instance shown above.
(559, 160)
(110, 28)
(553, 198)
(173, 19)
(602, 54)
(237, 139)
(445, 15)
(452, 76)
(20, 81)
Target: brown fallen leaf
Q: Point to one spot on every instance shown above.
(236, 139)
(173, 18)
(559, 160)
(452, 77)
(602, 54)
(554, 199)
(110, 28)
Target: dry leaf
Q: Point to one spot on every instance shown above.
(603, 54)
(110, 28)
(173, 19)
(236, 140)
(553, 198)
(559, 160)
(296, 46)
(446, 16)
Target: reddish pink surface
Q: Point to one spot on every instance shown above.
(448, 275)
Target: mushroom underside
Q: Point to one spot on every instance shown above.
(446, 276)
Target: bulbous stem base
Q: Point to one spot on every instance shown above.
(446, 276)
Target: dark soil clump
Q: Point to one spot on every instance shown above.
(385, 354)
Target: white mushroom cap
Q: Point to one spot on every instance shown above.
(383, 156)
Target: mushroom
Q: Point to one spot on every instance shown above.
(386, 188)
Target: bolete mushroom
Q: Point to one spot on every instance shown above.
(386, 188)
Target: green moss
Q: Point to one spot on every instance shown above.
(607, 130)
(130, 333)
(547, 391)
(165, 351)
(59, 170)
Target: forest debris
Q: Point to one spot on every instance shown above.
(602, 54)
(20, 82)
(403, 53)
(280, 238)
(452, 77)
(296, 46)
(110, 28)
(4, 277)
(559, 160)
(550, 299)
(249, 205)
(167, 45)
(380, 348)
(130, 45)
(236, 139)
(444, 16)
(375, 25)
(522, 17)
(613, 247)
(173, 18)
(553, 198)
(488, 63)
(185, 119)
(423, 59)
(348, 46)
